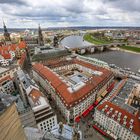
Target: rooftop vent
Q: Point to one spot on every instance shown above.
(119, 115)
(125, 117)
(131, 127)
(113, 115)
(124, 123)
(106, 106)
(116, 111)
(131, 121)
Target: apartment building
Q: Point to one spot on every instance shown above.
(73, 84)
(116, 117)
(7, 85)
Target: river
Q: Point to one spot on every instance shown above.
(74, 41)
(119, 58)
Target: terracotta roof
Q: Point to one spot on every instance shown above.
(5, 49)
(5, 79)
(35, 95)
(61, 87)
(135, 117)
(6, 55)
(22, 45)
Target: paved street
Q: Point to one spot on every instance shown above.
(88, 132)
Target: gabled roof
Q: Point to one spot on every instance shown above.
(6, 55)
(4, 50)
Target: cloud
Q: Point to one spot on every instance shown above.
(12, 2)
(71, 12)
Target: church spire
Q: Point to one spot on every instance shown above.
(40, 36)
(6, 34)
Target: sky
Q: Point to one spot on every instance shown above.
(64, 13)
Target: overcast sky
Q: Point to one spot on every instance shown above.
(63, 13)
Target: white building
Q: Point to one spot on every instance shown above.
(72, 85)
(30, 93)
(6, 85)
(8, 71)
(118, 119)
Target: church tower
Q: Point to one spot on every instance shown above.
(6, 34)
(40, 37)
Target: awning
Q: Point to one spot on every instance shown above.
(99, 99)
(95, 103)
(91, 107)
(85, 113)
(77, 119)
(99, 130)
(109, 89)
(104, 93)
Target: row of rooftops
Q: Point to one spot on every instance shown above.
(117, 108)
(123, 117)
(6, 49)
(62, 89)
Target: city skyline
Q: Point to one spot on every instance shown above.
(24, 13)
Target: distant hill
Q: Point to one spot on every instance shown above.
(70, 28)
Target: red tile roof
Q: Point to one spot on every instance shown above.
(61, 87)
(4, 50)
(135, 117)
(35, 95)
(6, 55)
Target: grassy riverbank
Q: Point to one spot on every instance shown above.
(90, 38)
(131, 48)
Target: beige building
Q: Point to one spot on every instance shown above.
(10, 125)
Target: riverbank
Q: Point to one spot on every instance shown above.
(93, 40)
(130, 49)
(123, 50)
(90, 38)
(122, 59)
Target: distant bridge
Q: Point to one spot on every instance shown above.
(91, 48)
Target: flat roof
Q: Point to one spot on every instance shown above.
(62, 88)
(122, 96)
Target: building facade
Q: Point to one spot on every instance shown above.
(116, 117)
(7, 85)
(71, 84)
(31, 96)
